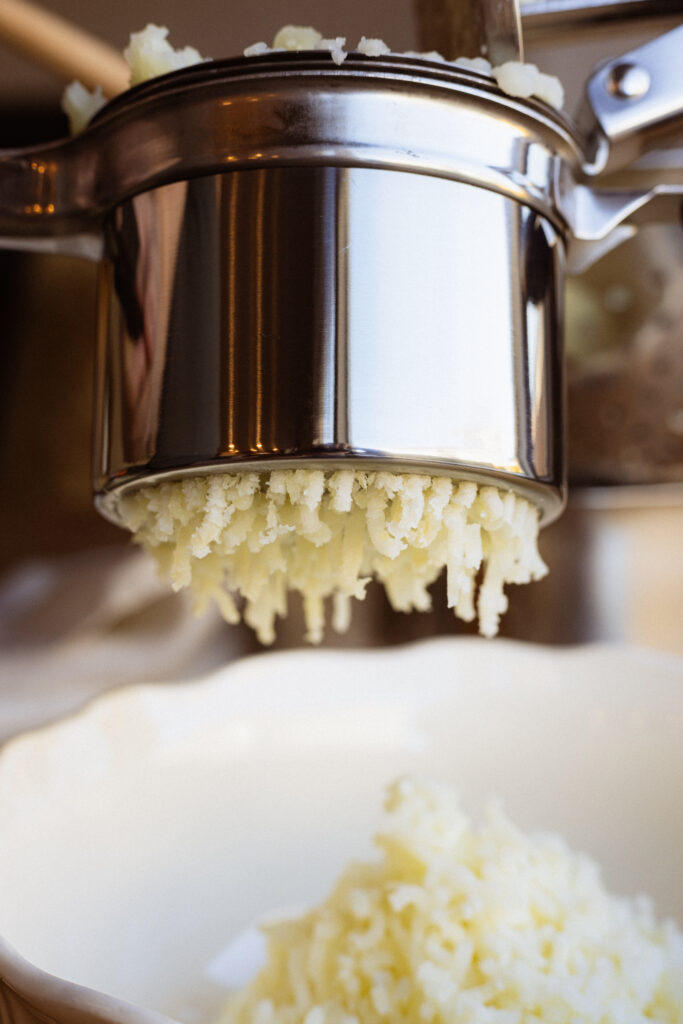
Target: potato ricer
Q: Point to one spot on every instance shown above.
(348, 266)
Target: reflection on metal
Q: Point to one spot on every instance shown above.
(444, 25)
(290, 109)
(305, 263)
(331, 329)
(492, 28)
(551, 16)
(624, 121)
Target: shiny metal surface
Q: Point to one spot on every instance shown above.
(602, 219)
(312, 263)
(503, 31)
(490, 28)
(289, 109)
(551, 22)
(334, 315)
(621, 125)
(293, 109)
(628, 81)
(552, 16)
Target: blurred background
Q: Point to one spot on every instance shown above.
(616, 558)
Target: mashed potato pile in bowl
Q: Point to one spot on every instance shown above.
(461, 925)
(183, 816)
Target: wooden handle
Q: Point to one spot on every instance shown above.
(62, 47)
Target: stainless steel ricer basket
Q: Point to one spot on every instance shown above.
(304, 263)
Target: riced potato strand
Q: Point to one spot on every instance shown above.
(326, 534)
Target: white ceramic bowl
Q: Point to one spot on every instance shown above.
(141, 837)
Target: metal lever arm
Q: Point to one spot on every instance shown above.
(601, 219)
(632, 102)
(471, 28)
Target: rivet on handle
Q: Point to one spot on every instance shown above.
(628, 81)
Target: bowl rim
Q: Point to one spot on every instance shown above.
(91, 705)
(33, 995)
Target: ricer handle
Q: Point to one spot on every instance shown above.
(62, 47)
(33, 213)
(632, 101)
(46, 198)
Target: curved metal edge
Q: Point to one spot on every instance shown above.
(279, 64)
(552, 16)
(549, 498)
(58, 189)
(29, 995)
(601, 219)
(619, 127)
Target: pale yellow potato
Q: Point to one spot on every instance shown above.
(457, 924)
(325, 534)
